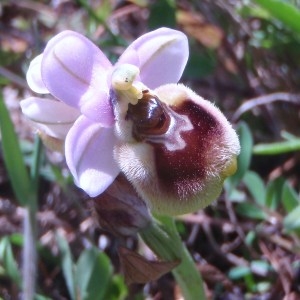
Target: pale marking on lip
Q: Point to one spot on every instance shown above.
(172, 138)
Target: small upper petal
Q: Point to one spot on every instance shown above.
(34, 76)
(89, 155)
(52, 117)
(161, 56)
(74, 69)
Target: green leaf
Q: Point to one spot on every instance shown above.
(104, 11)
(290, 199)
(239, 272)
(250, 210)
(93, 274)
(292, 221)
(67, 265)
(117, 289)
(283, 11)
(158, 16)
(13, 159)
(273, 193)
(17, 239)
(253, 11)
(256, 187)
(41, 297)
(235, 195)
(277, 148)
(250, 238)
(260, 267)
(200, 64)
(243, 160)
(263, 287)
(9, 263)
(287, 135)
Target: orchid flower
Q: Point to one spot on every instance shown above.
(79, 77)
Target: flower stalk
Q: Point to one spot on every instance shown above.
(30, 229)
(163, 239)
(29, 254)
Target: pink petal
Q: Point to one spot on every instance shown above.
(34, 76)
(99, 109)
(161, 56)
(89, 155)
(74, 70)
(50, 116)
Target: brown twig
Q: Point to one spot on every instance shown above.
(13, 78)
(263, 100)
(281, 266)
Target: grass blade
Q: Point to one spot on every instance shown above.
(285, 12)
(12, 155)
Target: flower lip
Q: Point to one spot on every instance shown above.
(183, 169)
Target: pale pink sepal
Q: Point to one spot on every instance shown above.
(52, 117)
(34, 76)
(75, 70)
(89, 155)
(161, 56)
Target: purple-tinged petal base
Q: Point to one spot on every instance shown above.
(99, 109)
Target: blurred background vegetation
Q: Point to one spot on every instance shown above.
(244, 57)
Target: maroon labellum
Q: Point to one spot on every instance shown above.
(178, 149)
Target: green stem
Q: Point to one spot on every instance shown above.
(30, 228)
(35, 168)
(165, 242)
(29, 254)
